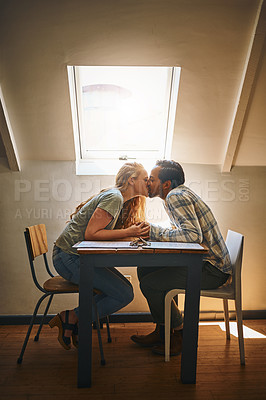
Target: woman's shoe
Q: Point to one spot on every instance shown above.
(75, 336)
(62, 327)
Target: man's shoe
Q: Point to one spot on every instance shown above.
(150, 340)
(175, 344)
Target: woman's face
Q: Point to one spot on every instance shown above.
(140, 184)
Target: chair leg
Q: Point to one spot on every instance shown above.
(98, 332)
(167, 322)
(226, 319)
(176, 299)
(43, 317)
(239, 321)
(20, 358)
(108, 329)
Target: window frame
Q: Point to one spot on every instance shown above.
(111, 166)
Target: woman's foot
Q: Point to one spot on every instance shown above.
(69, 317)
(66, 322)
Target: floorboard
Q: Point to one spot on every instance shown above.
(48, 372)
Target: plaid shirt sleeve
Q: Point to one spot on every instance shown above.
(183, 216)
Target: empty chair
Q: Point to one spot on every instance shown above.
(232, 291)
(36, 242)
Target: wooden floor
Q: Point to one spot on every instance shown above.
(49, 372)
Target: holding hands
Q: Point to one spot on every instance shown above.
(142, 229)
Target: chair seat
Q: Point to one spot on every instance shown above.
(226, 292)
(59, 284)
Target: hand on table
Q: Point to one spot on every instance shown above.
(141, 229)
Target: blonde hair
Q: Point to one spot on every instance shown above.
(134, 209)
(128, 170)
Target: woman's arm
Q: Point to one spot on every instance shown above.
(101, 218)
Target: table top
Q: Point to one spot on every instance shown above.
(122, 247)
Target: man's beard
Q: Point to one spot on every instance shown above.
(158, 194)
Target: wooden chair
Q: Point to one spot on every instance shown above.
(36, 242)
(232, 291)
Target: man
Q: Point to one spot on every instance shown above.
(192, 221)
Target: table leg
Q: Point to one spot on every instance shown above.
(191, 320)
(85, 321)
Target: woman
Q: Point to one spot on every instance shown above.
(95, 219)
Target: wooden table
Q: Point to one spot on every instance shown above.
(91, 258)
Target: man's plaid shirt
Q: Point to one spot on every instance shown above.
(193, 222)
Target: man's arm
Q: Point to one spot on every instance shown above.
(182, 213)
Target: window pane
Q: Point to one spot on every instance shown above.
(123, 110)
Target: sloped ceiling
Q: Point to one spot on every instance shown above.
(252, 148)
(2, 148)
(208, 39)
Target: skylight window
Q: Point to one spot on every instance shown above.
(122, 113)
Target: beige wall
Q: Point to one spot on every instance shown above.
(208, 39)
(47, 191)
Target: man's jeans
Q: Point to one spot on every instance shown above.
(156, 282)
(117, 290)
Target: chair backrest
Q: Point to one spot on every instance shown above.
(36, 240)
(235, 243)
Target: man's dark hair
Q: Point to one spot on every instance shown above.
(171, 171)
